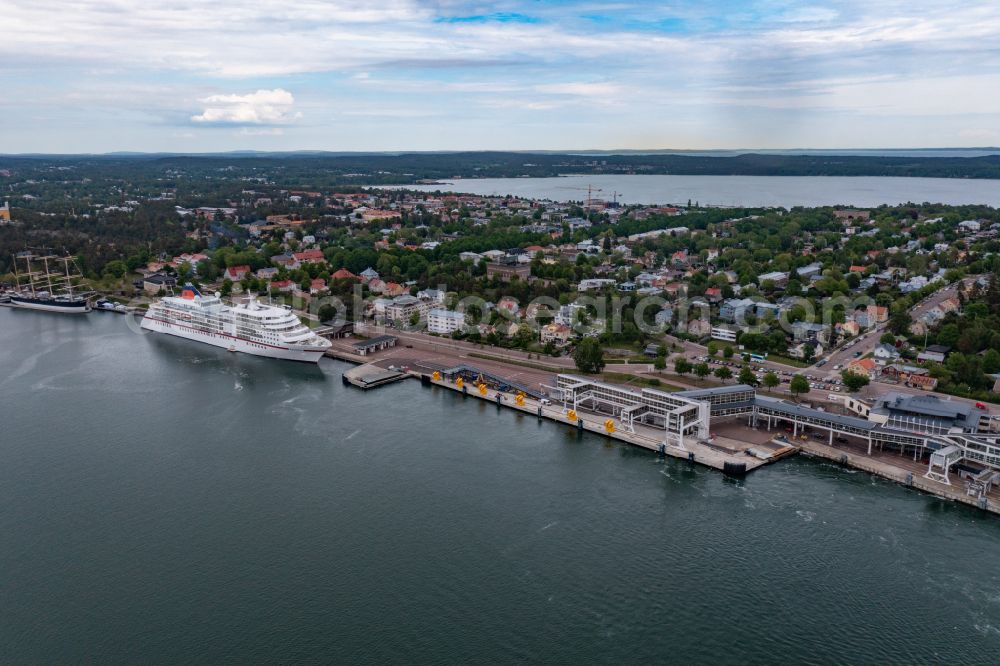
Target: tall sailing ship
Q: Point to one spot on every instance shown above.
(250, 327)
(48, 282)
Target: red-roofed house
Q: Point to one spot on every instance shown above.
(282, 286)
(237, 272)
(858, 269)
(344, 274)
(394, 289)
(192, 259)
(878, 314)
(508, 304)
(310, 256)
(675, 289)
(863, 366)
(317, 285)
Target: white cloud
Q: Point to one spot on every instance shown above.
(164, 63)
(264, 107)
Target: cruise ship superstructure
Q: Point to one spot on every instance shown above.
(250, 327)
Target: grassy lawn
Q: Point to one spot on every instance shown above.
(785, 360)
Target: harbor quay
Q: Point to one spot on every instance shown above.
(942, 447)
(594, 414)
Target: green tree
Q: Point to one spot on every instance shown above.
(207, 270)
(854, 381)
(327, 312)
(184, 272)
(899, 322)
(747, 376)
(115, 269)
(682, 366)
(724, 373)
(525, 336)
(227, 287)
(660, 362)
(887, 338)
(948, 335)
(991, 361)
(727, 351)
(798, 386)
(771, 380)
(702, 370)
(588, 355)
(713, 348)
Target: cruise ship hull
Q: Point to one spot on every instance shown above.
(307, 354)
(50, 305)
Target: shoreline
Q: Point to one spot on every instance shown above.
(709, 456)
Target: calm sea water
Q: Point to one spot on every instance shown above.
(786, 191)
(163, 501)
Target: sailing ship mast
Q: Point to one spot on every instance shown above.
(35, 280)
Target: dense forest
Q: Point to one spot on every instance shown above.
(329, 170)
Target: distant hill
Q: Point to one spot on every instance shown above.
(409, 167)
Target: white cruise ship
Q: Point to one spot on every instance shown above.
(251, 327)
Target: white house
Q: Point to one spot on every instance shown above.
(432, 295)
(724, 333)
(444, 321)
(473, 257)
(886, 353)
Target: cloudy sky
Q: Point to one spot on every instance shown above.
(196, 75)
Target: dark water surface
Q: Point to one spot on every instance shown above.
(165, 501)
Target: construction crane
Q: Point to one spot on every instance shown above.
(590, 194)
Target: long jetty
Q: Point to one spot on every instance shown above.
(645, 437)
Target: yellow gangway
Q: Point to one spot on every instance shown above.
(482, 389)
(519, 400)
(609, 426)
(459, 382)
(571, 415)
(436, 376)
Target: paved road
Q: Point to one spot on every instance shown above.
(866, 342)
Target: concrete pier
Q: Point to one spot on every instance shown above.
(714, 455)
(910, 478)
(370, 375)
